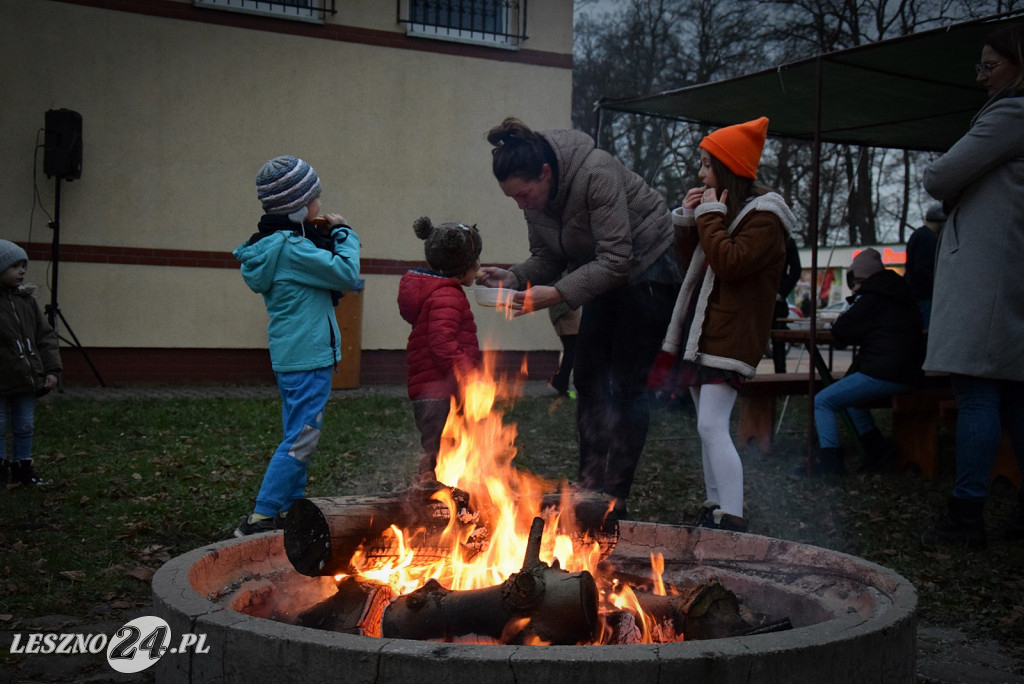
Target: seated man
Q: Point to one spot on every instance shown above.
(884, 322)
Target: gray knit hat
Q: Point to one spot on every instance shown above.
(10, 254)
(935, 214)
(867, 263)
(286, 185)
(451, 248)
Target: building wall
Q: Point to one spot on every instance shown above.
(180, 108)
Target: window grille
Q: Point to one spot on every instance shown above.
(498, 23)
(314, 11)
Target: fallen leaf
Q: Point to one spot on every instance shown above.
(142, 573)
(73, 575)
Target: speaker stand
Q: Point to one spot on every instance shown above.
(53, 308)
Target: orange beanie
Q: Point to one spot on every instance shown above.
(739, 147)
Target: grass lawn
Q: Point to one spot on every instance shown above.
(139, 482)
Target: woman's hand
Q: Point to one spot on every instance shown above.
(535, 298)
(492, 276)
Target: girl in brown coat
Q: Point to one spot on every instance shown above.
(732, 234)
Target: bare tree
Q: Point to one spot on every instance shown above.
(865, 195)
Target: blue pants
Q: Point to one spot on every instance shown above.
(304, 397)
(17, 417)
(851, 390)
(984, 407)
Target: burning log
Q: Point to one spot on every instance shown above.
(322, 536)
(356, 609)
(702, 611)
(588, 519)
(539, 603)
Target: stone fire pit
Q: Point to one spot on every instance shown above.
(854, 621)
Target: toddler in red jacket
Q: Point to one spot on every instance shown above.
(443, 341)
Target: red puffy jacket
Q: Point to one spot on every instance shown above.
(443, 335)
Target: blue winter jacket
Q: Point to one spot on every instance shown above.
(296, 278)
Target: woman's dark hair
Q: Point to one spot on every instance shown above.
(1009, 42)
(740, 189)
(519, 152)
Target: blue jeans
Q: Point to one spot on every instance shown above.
(304, 396)
(846, 393)
(17, 417)
(984, 407)
(620, 334)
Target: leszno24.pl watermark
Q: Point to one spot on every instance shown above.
(134, 647)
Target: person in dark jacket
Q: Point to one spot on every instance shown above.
(29, 365)
(443, 344)
(921, 248)
(790, 277)
(884, 322)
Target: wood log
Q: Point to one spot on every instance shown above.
(588, 519)
(699, 611)
(539, 603)
(356, 608)
(322, 536)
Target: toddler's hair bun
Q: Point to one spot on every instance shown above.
(423, 227)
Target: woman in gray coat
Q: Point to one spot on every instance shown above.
(977, 323)
(600, 238)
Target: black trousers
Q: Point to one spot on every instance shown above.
(620, 333)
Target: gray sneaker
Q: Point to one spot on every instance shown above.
(245, 527)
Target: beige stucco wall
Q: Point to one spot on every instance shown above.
(179, 115)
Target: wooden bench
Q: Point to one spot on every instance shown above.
(916, 419)
(757, 406)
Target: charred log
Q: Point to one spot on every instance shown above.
(539, 603)
(356, 608)
(324, 536)
(698, 611)
(321, 536)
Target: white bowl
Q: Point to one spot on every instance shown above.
(494, 296)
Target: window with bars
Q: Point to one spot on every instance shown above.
(301, 10)
(497, 23)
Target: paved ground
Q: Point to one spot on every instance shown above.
(945, 656)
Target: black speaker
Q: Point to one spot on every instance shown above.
(62, 151)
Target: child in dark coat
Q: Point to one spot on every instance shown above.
(443, 341)
(29, 365)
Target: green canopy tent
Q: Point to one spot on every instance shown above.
(915, 92)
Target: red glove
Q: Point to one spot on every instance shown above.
(662, 375)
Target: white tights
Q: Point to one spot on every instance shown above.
(723, 470)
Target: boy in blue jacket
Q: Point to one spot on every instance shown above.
(299, 261)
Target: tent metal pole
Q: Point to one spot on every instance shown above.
(814, 221)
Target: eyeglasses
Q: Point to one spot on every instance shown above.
(987, 67)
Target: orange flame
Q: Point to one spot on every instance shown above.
(477, 450)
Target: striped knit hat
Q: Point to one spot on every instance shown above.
(286, 184)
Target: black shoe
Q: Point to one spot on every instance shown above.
(5, 473)
(1015, 528)
(706, 514)
(879, 452)
(720, 520)
(245, 527)
(23, 472)
(963, 525)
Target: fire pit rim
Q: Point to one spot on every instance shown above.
(174, 591)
